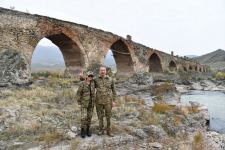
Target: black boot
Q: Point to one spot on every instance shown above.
(82, 133)
(88, 132)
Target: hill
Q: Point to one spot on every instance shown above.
(216, 60)
(191, 56)
(47, 58)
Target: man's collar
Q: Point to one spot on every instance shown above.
(106, 76)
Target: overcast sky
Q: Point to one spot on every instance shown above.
(183, 26)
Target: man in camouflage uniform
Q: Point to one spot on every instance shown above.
(85, 98)
(105, 99)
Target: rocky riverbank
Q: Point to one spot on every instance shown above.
(148, 115)
(204, 85)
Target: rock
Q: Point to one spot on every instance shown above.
(156, 145)
(181, 88)
(216, 140)
(70, 135)
(2, 126)
(36, 148)
(119, 140)
(18, 143)
(204, 111)
(196, 86)
(105, 142)
(74, 129)
(139, 133)
(155, 131)
(194, 104)
(3, 145)
(13, 68)
(184, 82)
(142, 79)
(61, 147)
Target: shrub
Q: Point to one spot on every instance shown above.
(46, 74)
(219, 76)
(65, 83)
(199, 79)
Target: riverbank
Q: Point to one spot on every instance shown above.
(203, 85)
(214, 102)
(148, 115)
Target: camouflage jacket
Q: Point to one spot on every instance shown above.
(86, 94)
(105, 90)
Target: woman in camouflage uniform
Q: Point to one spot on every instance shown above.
(85, 98)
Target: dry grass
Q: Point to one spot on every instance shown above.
(133, 100)
(192, 109)
(162, 108)
(43, 108)
(11, 132)
(26, 96)
(177, 120)
(159, 98)
(197, 143)
(147, 117)
(115, 128)
(74, 143)
(39, 109)
(159, 90)
(127, 129)
(50, 137)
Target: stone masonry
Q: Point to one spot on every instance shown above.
(81, 46)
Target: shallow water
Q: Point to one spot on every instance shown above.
(215, 101)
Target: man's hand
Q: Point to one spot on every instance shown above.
(113, 104)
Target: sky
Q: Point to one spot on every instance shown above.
(187, 27)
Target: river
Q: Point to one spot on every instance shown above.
(215, 101)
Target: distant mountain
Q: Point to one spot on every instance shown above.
(51, 58)
(216, 59)
(110, 61)
(191, 56)
(47, 58)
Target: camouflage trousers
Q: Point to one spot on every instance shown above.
(104, 110)
(86, 115)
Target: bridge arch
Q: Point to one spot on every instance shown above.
(155, 64)
(172, 66)
(185, 68)
(72, 53)
(122, 57)
(196, 68)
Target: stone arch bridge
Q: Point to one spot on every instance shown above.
(81, 46)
